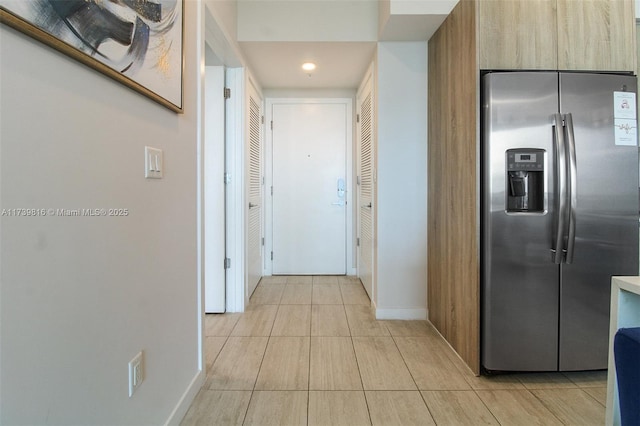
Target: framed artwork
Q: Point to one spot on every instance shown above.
(136, 42)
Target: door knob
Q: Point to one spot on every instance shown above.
(251, 205)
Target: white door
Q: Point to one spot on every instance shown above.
(255, 193)
(214, 192)
(365, 156)
(309, 188)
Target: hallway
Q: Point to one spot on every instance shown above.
(308, 352)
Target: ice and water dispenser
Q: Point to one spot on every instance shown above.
(525, 180)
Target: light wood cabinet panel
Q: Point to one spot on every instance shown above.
(453, 269)
(517, 34)
(596, 35)
(585, 35)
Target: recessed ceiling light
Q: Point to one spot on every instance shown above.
(308, 66)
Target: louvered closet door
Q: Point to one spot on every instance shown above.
(365, 193)
(254, 231)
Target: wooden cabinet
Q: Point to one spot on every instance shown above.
(589, 35)
(596, 35)
(517, 34)
(453, 261)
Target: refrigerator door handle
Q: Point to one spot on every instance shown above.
(557, 250)
(573, 179)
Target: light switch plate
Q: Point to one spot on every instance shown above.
(153, 163)
(136, 373)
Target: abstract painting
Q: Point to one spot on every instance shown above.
(137, 42)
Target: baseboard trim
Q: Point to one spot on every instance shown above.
(187, 398)
(401, 314)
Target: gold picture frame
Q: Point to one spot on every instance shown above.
(145, 55)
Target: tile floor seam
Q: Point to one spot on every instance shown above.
(366, 403)
(246, 411)
(309, 360)
(264, 354)
(355, 355)
(543, 404)
(346, 317)
(309, 369)
(593, 397)
(546, 406)
(428, 408)
(403, 360)
(485, 404)
(583, 393)
(273, 323)
(226, 339)
(308, 405)
(235, 324)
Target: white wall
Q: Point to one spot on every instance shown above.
(82, 295)
(384, 13)
(401, 89)
(221, 41)
(226, 11)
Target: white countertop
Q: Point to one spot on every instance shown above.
(631, 284)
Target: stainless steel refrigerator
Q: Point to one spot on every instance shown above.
(559, 215)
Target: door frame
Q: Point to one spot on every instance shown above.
(214, 165)
(268, 162)
(235, 198)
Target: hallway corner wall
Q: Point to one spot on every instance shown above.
(401, 176)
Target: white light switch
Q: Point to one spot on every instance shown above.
(153, 163)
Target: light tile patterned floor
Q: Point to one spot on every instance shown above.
(308, 351)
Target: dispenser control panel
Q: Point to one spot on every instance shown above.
(525, 180)
(525, 161)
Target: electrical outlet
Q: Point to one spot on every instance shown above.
(136, 373)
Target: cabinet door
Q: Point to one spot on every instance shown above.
(517, 34)
(596, 35)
